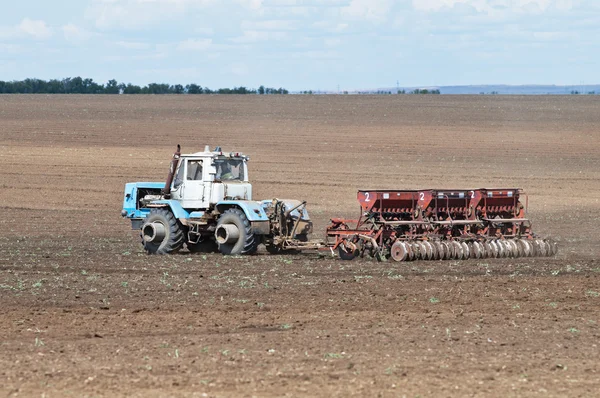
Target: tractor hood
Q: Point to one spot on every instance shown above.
(234, 190)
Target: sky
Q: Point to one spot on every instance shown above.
(303, 44)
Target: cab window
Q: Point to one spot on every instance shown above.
(178, 177)
(194, 170)
(230, 170)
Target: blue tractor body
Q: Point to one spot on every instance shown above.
(207, 203)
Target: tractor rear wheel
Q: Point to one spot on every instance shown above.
(161, 232)
(234, 233)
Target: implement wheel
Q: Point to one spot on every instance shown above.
(161, 232)
(347, 250)
(399, 251)
(234, 233)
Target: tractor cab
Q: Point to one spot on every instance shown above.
(203, 179)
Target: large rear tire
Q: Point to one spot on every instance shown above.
(234, 223)
(161, 232)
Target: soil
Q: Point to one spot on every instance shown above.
(86, 313)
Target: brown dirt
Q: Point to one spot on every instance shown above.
(86, 313)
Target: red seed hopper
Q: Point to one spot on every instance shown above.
(430, 224)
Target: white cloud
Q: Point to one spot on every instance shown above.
(204, 30)
(490, 6)
(330, 26)
(75, 34)
(372, 10)
(35, 28)
(253, 36)
(239, 69)
(273, 24)
(136, 13)
(133, 45)
(194, 45)
(133, 14)
(252, 4)
(9, 48)
(332, 42)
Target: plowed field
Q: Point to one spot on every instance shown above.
(84, 312)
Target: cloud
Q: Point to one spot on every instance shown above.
(134, 14)
(239, 69)
(272, 24)
(194, 45)
(253, 36)
(332, 42)
(252, 4)
(371, 10)
(131, 14)
(75, 34)
(9, 48)
(133, 45)
(491, 6)
(34, 28)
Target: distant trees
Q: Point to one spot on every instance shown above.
(425, 91)
(193, 89)
(78, 85)
(112, 87)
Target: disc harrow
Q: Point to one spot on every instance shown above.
(458, 224)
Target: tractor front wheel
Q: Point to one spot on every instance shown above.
(161, 232)
(234, 233)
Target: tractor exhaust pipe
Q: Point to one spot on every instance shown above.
(166, 191)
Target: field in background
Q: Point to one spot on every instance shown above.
(85, 312)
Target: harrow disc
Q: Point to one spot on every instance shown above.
(477, 250)
(548, 247)
(439, 250)
(541, 248)
(489, 250)
(513, 252)
(483, 249)
(514, 249)
(428, 249)
(412, 250)
(446, 250)
(471, 251)
(501, 250)
(399, 251)
(536, 248)
(495, 249)
(466, 251)
(553, 247)
(422, 254)
(523, 248)
(531, 246)
(458, 250)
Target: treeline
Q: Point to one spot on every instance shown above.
(389, 92)
(78, 85)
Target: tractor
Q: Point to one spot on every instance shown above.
(206, 205)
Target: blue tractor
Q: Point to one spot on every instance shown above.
(206, 205)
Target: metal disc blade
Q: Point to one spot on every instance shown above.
(466, 251)
(429, 249)
(398, 251)
(439, 250)
(458, 250)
